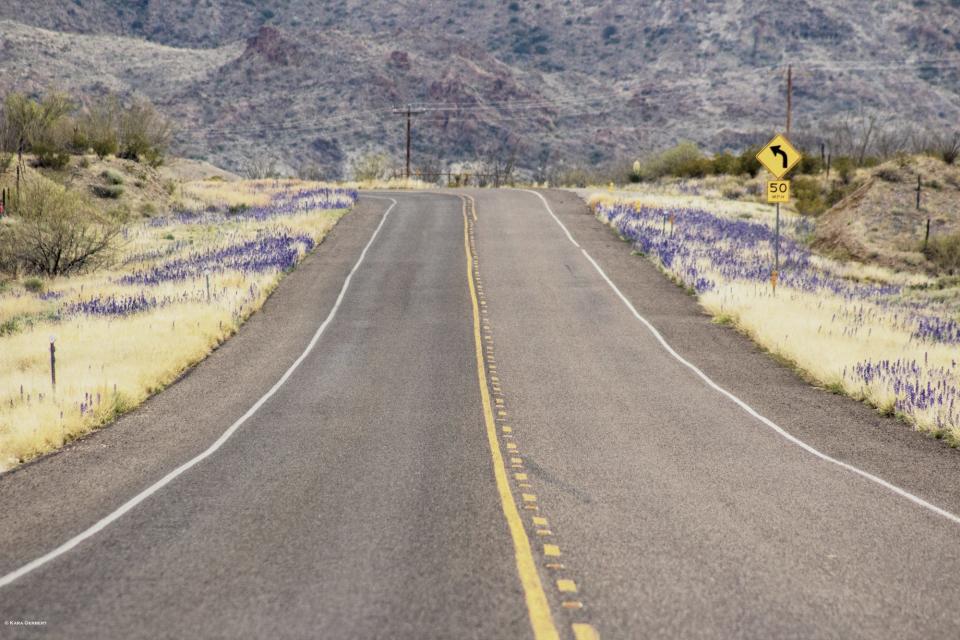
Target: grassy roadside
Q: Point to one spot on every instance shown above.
(180, 285)
(887, 337)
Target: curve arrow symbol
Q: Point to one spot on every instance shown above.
(777, 151)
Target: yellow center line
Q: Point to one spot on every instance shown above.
(538, 606)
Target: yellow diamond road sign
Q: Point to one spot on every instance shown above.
(779, 156)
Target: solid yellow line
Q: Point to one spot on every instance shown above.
(537, 605)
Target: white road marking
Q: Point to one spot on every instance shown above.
(743, 405)
(167, 479)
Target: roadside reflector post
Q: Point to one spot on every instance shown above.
(53, 364)
(776, 250)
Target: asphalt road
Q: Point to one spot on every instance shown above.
(582, 481)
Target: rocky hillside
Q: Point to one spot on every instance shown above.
(306, 82)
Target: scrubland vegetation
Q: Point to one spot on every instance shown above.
(132, 303)
(56, 127)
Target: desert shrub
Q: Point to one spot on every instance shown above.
(836, 194)
(726, 164)
(53, 145)
(100, 123)
(684, 160)
(144, 134)
(810, 164)
(946, 146)
(112, 177)
(260, 167)
(572, 177)
(33, 284)
(110, 191)
(41, 127)
(373, 166)
(888, 174)
(733, 193)
(747, 162)
(57, 232)
(808, 195)
(844, 166)
(944, 251)
(310, 171)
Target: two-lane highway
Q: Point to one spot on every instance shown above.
(478, 435)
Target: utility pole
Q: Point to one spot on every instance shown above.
(789, 97)
(409, 113)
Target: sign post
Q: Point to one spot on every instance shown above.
(779, 157)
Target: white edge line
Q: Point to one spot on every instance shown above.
(740, 403)
(167, 479)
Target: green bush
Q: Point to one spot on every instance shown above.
(810, 164)
(41, 127)
(747, 162)
(944, 251)
(684, 160)
(844, 167)
(33, 285)
(111, 191)
(111, 176)
(100, 123)
(808, 195)
(726, 164)
(144, 134)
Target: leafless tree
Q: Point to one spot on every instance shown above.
(57, 232)
(946, 146)
(310, 171)
(372, 166)
(260, 167)
(891, 140)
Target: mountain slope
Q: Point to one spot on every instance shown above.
(314, 82)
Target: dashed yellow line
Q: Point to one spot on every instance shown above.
(566, 586)
(538, 606)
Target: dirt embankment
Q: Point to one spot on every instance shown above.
(879, 221)
(139, 188)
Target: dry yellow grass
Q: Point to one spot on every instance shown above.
(107, 365)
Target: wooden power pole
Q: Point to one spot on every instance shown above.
(409, 113)
(789, 97)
